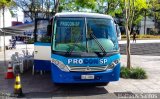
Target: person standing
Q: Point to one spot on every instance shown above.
(14, 44)
(134, 37)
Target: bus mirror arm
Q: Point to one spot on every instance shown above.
(49, 30)
(116, 28)
(36, 52)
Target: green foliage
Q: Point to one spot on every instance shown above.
(4, 3)
(134, 73)
(46, 39)
(137, 19)
(100, 6)
(135, 4)
(134, 11)
(140, 4)
(68, 5)
(125, 72)
(138, 73)
(89, 4)
(154, 11)
(149, 36)
(33, 7)
(77, 5)
(30, 41)
(111, 7)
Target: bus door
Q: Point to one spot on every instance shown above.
(42, 45)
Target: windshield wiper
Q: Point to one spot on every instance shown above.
(99, 44)
(75, 43)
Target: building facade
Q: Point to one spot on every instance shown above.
(148, 28)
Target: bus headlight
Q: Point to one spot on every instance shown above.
(113, 64)
(60, 65)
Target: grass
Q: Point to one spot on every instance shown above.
(134, 73)
(46, 39)
(30, 41)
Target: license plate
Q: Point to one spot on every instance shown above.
(87, 76)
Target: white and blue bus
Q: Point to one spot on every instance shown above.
(83, 49)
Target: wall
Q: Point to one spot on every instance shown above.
(149, 24)
(7, 43)
(20, 15)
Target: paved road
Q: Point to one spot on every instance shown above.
(40, 86)
(150, 49)
(142, 47)
(140, 41)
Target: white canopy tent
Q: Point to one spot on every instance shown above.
(14, 31)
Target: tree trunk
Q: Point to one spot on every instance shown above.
(3, 16)
(57, 6)
(128, 36)
(48, 8)
(145, 22)
(128, 50)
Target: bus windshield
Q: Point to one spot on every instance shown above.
(76, 35)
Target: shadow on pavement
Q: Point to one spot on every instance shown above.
(46, 89)
(41, 86)
(72, 91)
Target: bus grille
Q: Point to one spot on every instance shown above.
(87, 68)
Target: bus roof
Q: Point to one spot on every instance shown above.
(82, 14)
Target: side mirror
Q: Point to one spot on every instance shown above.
(118, 32)
(116, 29)
(49, 30)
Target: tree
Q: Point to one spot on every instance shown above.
(155, 12)
(130, 7)
(3, 4)
(46, 7)
(90, 4)
(32, 8)
(113, 7)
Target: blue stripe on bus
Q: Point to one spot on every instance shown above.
(42, 44)
(110, 59)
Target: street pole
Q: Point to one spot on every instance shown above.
(17, 17)
(26, 45)
(4, 44)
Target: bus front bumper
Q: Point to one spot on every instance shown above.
(61, 77)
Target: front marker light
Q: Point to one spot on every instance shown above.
(113, 64)
(56, 62)
(60, 65)
(117, 61)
